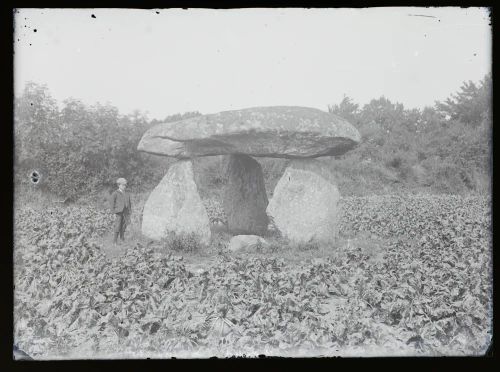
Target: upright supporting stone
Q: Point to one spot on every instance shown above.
(175, 206)
(245, 198)
(305, 203)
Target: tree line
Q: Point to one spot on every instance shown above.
(444, 148)
(79, 149)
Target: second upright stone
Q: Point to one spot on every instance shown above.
(245, 200)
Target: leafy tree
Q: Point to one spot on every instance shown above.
(79, 148)
(438, 140)
(471, 104)
(36, 122)
(384, 113)
(346, 109)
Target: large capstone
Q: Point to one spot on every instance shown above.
(304, 206)
(245, 198)
(279, 132)
(175, 206)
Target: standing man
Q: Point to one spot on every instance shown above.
(121, 207)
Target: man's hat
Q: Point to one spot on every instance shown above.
(121, 181)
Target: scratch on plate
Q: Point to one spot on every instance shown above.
(421, 15)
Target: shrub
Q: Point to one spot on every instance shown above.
(183, 242)
(219, 241)
(79, 148)
(277, 244)
(395, 162)
(310, 245)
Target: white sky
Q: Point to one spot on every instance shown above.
(215, 60)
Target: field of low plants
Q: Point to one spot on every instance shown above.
(409, 275)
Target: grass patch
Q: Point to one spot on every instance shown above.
(189, 243)
(310, 245)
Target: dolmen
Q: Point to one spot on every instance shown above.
(304, 205)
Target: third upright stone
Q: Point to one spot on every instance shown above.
(304, 206)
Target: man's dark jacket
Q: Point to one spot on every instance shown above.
(120, 201)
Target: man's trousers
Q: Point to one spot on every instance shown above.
(120, 225)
